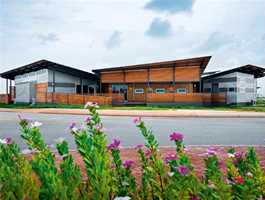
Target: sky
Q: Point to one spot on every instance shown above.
(91, 34)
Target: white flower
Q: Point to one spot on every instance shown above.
(249, 174)
(26, 151)
(170, 174)
(122, 198)
(59, 140)
(231, 155)
(35, 124)
(124, 183)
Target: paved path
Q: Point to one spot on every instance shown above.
(197, 131)
(147, 113)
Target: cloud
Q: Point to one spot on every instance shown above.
(263, 37)
(159, 28)
(214, 42)
(114, 40)
(170, 6)
(47, 38)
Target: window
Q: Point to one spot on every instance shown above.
(160, 90)
(139, 91)
(118, 88)
(181, 91)
(231, 89)
(78, 89)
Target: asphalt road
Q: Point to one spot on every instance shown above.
(197, 131)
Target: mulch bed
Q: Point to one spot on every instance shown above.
(195, 153)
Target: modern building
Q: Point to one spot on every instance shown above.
(177, 82)
(37, 79)
(239, 84)
(137, 83)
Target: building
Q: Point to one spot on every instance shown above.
(177, 82)
(155, 83)
(36, 80)
(239, 84)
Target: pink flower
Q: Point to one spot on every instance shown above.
(139, 146)
(211, 151)
(127, 164)
(7, 141)
(170, 157)
(183, 170)
(239, 180)
(137, 120)
(98, 127)
(73, 128)
(114, 145)
(91, 105)
(176, 137)
(147, 153)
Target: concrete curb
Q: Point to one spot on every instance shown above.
(146, 113)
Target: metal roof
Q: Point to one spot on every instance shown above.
(258, 72)
(199, 61)
(45, 64)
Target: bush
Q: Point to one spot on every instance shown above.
(108, 177)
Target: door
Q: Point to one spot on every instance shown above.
(215, 88)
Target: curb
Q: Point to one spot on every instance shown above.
(134, 113)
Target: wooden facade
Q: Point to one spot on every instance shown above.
(154, 82)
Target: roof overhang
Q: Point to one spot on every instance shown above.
(45, 64)
(258, 72)
(199, 61)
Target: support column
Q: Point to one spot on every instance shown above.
(6, 86)
(53, 81)
(81, 85)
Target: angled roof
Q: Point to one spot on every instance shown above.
(199, 61)
(258, 72)
(45, 64)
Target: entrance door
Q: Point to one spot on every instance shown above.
(125, 93)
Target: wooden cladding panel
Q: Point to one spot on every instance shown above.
(112, 77)
(132, 97)
(136, 76)
(161, 75)
(4, 98)
(187, 74)
(41, 92)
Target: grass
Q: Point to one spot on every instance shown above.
(260, 107)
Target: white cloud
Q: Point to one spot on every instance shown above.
(114, 40)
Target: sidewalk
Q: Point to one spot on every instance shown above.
(146, 113)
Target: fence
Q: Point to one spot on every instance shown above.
(173, 98)
(71, 99)
(5, 98)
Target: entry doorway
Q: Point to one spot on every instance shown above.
(121, 89)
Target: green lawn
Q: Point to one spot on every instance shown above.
(260, 107)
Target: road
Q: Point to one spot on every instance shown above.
(197, 131)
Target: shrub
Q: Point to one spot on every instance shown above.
(108, 177)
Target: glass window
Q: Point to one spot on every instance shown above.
(231, 89)
(118, 88)
(160, 90)
(139, 91)
(181, 91)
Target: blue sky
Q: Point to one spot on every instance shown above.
(89, 34)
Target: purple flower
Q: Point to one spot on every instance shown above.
(170, 157)
(127, 164)
(7, 141)
(114, 145)
(87, 119)
(238, 155)
(139, 146)
(74, 128)
(176, 137)
(137, 120)
(147, 153)
(183, 170)
(194, 197)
